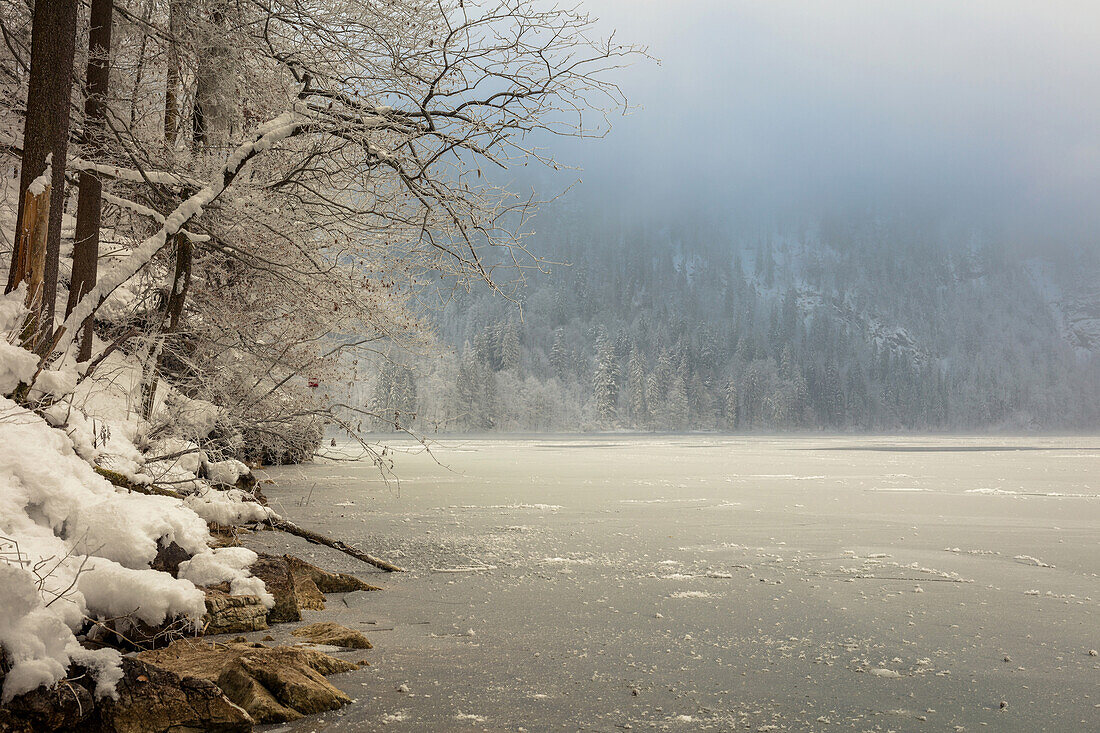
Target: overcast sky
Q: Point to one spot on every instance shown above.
(985, 110)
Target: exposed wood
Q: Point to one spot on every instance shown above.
(29, 262)
(318, 539)
(122, 482)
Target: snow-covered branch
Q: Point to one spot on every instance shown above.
(266, 136)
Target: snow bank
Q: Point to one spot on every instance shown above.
(73, 547)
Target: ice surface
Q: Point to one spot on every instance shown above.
(775, 600)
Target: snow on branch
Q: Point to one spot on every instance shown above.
(129, 175)
(267, 135)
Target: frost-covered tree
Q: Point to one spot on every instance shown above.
(605, 381)
(636, 386)
(509, 346)
(279, 181)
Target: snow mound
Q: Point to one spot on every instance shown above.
(227, 507)
(38, 643)
(227, 564)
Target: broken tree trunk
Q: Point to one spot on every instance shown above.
(317, 539)
(45, 133)
(29, 262)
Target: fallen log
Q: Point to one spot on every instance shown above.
(280, 524)
(318, 539)
(122, 482)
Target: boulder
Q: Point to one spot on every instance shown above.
(326, 582)
(279, 688)
(275, 573)
(333, 634)
(274, 684)
(155, 700)
(226, 614)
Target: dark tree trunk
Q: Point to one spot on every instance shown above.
(171, 86)
(89, 200)
(173, 311)
(181, 283)
(46, 131)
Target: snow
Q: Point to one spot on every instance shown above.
(150, 596)
(38, 643)
(884, 672)
(55, 382)
(227, 564)
(226, 472)
(73, 547)
(227, 507)
(37, 187)
(17, 365)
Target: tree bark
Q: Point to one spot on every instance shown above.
(173, 311)
(172, 82)
(216, 93)
(89, 198)
(46, 131)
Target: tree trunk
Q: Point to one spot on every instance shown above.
(89, 199)
(46, 131)
(173, 310)
(216, 93)
(172, 82)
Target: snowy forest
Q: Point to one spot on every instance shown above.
(858, 324)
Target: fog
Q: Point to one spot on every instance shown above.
(984, 113)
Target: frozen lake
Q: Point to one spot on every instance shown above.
(701, 582)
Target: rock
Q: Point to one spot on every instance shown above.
(307, 593)
(64, 707)
(226, 614)
(155, 700)
(287, 681)
(246, 481)
(327, 582)
(274, 684)
(169, 557)
(251, 695)
(333, 634)
(275, 573)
